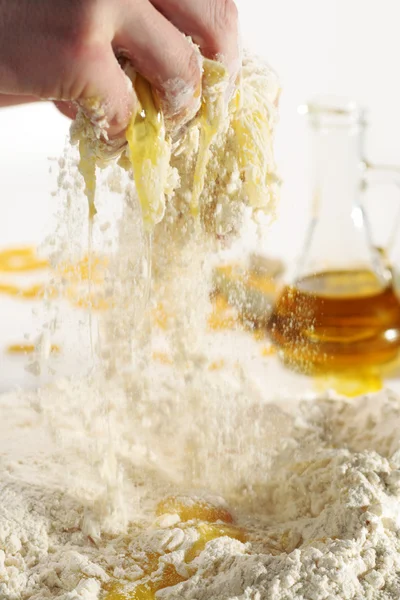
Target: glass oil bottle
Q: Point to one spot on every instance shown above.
(340, 312)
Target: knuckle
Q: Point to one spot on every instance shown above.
(222, 28)
(187, 67)
(225, 17)
(77, 89)
(178, 105)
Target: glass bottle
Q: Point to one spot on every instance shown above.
(340, 312)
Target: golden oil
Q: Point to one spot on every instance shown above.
(336, 321)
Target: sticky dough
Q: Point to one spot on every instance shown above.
(219, 163)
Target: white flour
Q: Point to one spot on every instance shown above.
(319, 497)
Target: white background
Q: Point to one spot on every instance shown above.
(345, 47)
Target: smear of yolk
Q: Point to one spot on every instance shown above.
(162, 357)
(267, 351)
(73, 274)
(26, 293)
(28, 349)
(210, 118)
(265, 285)
(207, 531)
(79, 271)
(150, 154)
(222, 316)
(259, 335)
(15, 260)
(22, 260)
(350, 384)
(217, 365)
(146, 591)
(92, 303)
(188, 510)
(87, 168)
(160, 317)
(25, 259)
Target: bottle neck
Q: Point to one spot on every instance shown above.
(337, 161)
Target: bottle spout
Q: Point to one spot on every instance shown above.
(333, 111)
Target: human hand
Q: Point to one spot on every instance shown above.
(66, 51)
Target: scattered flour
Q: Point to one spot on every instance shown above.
(313, 485)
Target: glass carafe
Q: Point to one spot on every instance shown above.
(340, 311)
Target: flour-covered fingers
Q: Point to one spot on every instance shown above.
(108, 98)
(163, 56)
(213, 25)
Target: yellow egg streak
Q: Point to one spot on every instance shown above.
(352, 383)
(72, 275)
(28, 349)
(32, 292)
(150, 154)
(188, 510)
(15, 260)
(87, 168)
(211, 117)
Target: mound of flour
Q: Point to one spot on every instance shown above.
(318, 493)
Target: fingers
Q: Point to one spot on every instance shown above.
(213, 25)
(107, 97)
(68, 109)
(14, 100)
(163, 56)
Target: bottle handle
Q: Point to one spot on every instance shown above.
(375, 175)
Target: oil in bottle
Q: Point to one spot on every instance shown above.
(336, 320)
